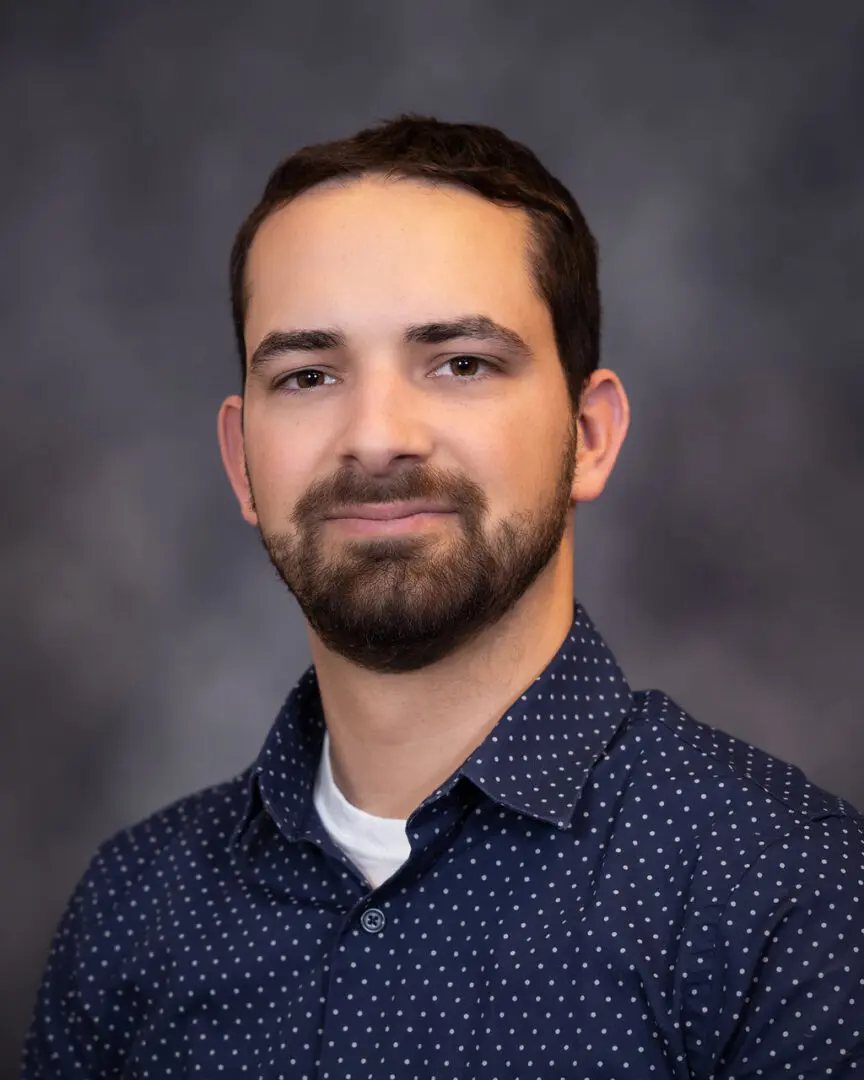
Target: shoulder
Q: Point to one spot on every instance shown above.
(105, 928)
(728, 809)
(195, 827)
(785, 945)
(716, 770)
(775, 897)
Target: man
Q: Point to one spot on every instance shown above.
(467, 849)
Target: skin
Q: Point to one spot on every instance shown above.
(421, 640)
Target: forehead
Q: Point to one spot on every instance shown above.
(379, 248)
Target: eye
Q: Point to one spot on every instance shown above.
(469, 359)
(281, 383)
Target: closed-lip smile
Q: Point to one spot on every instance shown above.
(390, 511)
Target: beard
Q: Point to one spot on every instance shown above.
(396, 604)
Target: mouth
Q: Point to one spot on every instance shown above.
(388, 519)
(388, 511)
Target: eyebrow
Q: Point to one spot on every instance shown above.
(475, 327)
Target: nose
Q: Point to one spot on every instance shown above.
(385, 420)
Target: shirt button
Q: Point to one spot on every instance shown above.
(372, 920)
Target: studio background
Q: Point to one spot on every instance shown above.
(716, 151)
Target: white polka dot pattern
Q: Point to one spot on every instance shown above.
(606, 888)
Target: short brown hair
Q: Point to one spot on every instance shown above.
(564, 252)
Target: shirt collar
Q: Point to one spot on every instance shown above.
(536, 760)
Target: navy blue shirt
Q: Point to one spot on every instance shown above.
(605, 888)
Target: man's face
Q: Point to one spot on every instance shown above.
(471, 424)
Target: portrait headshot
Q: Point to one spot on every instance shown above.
(522, 792)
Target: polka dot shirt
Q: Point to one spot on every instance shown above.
(605, 888)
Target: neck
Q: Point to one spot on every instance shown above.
(395, 738)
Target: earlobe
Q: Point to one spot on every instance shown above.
(232, 447)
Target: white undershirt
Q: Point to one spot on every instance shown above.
(378, 846)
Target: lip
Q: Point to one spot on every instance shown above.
(389, 511)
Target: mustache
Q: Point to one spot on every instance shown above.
(348, 489)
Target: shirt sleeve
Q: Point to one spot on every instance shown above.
(77, 1028)
(791, 940)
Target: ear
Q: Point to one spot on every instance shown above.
(604, 416)
(230, 429)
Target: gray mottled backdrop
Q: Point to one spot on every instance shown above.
(716, 150)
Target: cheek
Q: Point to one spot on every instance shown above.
(534, 463)
(276, 466)
(505, 466)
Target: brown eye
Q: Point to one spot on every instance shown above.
(301, 375)
(459, 364)
(281, 383)
(461, 361)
